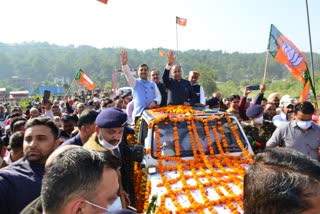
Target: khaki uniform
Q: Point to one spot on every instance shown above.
(258, 137)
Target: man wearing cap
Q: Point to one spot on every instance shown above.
(146, 94)
(258, 130)
(301, 134)
(200, 99)
(110, 132)
(286, 107)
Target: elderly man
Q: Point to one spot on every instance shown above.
(200, 98)
(93, 186)
(145, 92)
(180, 91)
(25, 175)
(301, 134)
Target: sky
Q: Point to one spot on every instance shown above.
(227, 25)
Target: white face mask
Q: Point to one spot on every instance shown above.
(258, 120)
(304, 124)
(107, 145)
(116, 205)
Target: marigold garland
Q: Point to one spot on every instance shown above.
(206, 171)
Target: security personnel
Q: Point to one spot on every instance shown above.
(258, 130)
(110, 136)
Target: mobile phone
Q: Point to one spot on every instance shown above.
(46, 96)
(254, 87)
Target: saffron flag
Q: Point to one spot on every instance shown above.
(85, 80)
(162, 53)
(285, 52)
(181, 21)
(103, 1)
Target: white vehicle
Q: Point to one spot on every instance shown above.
(124, 90)
(194, 162)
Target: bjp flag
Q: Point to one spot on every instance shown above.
(181, 21)
(285, 52)
(162, 53)
(103, 1)
(85, 80)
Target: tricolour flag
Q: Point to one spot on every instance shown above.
(181, 21)
(85, 80)
(103, 1)
(162, 53)
(285, 52)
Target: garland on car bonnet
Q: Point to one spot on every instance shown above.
(205, 184)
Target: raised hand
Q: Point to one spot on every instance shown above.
(262, 88)
(124, 57)
(171, 58)
(246, 91)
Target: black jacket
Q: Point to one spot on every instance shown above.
(179, 91)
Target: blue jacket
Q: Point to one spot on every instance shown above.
(76, 140)
(20, 183)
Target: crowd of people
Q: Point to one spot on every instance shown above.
(71, 154)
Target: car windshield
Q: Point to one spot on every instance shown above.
(224, 132)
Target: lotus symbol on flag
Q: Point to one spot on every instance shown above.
(293, 56)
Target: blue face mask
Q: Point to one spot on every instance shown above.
(304, 124)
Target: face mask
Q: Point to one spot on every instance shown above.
(304, 124)
(116, 205)
(107, 145)
(258, 120)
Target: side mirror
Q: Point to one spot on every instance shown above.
(137, 153)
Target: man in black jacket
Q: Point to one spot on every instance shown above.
(155, 77)
(179, 90)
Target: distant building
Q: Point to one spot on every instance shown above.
(17, 82)
(3, 94)
(17, 95)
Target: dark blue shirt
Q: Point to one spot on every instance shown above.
(20, 183)
(76, 140)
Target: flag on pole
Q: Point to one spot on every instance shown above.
(181, 21)
(85, 80)
(285, 52)
(103, 1)
(162, 53)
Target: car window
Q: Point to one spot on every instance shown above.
(185, 143)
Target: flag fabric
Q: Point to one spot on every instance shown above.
(162, 53)
(85, 80)
(103, 1)
(181, 21)
(285, 52)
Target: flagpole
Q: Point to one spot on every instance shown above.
(265, 67)
(70, 86)
(177, 40)
(310, 43)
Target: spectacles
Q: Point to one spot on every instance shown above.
(97, 206)
(235, 101)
